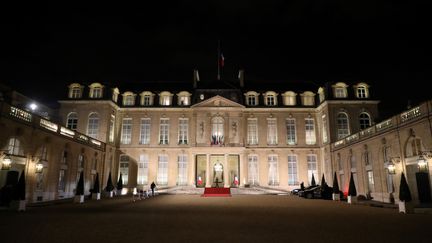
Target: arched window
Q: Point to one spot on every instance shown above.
(93, 125)
(183, 98)
(340, 90)
(96, 90)
(147, 98)
(251, 98)
(308, 98)
(289, 98)
(270, 98)
(72, 121)
(342, 125)
(364, 120)
(128, 99)
(165, 98)
(75, 91)
(217, 130)
(362, 90)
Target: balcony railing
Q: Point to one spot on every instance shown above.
(44, 124)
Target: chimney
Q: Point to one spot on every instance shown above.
(195, 78)
(241, 78)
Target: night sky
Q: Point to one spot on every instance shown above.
(312, 41)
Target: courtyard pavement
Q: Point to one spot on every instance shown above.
(191, 218)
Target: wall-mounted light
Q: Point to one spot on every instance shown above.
(391, 168)
(39, 167)
(6, 163)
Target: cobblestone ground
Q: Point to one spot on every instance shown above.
(191, 218)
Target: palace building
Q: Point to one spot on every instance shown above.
(225, 134)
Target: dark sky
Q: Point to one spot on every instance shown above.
(383, 44)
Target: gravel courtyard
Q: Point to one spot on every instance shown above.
(191, 218)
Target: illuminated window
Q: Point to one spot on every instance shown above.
(128, 99)
(93, 125)
(124, 168)
(340, 90)
(147, 98)
(162, 175)
(362, 90)
(183, 98)
(165, 98)
(126, 135)
(310, 131)
(182, 170)
(75, 91)
(289, 98)
(312, 167)
(342, 125)
(143, 169)
(164, 131)
(324, 129)
(273, 170)
(145, 131)
(272, 138)
(217, 131)
(252, 133)
(183, 131)
(270, 98)
(308, 98)
(14, 147)
(291, 131)
(253, 170)
(95, 90)
(292, 170)
(251, 98)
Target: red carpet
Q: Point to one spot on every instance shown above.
(216, 192)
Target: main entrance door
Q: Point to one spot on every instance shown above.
(219, 171)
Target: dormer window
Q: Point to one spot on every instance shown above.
(340, 90)
(308, 98)
(183, 98)
(95, 90)
(289, 98)
(165, 98)
(251, 98)
(362, 90)
(75, 91)
(115, 93)
(147, 98)
(128, 99)
(270, 98)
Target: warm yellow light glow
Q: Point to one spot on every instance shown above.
(39, 167)
(391, 169)
(6, 163)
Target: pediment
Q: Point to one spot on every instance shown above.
(218, 101)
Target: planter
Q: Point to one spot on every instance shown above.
(96, 196)
(336, 197)
(19, 205)
(352, 199)
(406, 207)
(79, 199)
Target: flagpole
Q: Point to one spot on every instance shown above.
(218, 61)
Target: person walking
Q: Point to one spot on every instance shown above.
(152, 186)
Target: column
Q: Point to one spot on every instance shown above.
(225, 171)
(242, 169)
(208, 184)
